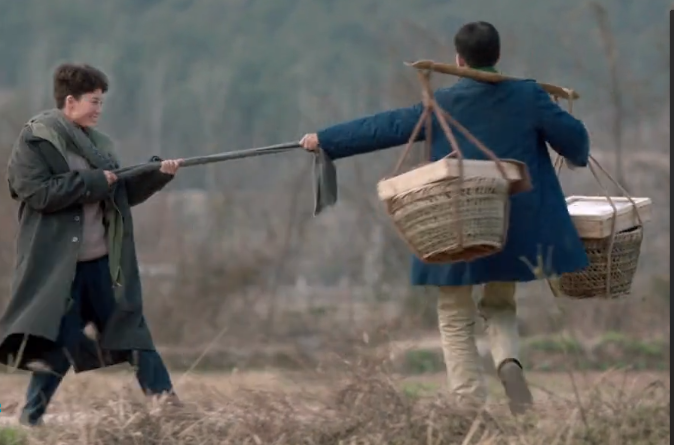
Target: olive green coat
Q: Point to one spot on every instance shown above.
(50, 198)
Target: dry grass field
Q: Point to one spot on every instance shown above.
(356, 404)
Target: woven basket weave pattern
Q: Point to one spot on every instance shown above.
(429, 218)
(591, 282)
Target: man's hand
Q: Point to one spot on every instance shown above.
(310, 142)
(171, 166)
(110, 176)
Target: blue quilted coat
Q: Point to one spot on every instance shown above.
(514, 119)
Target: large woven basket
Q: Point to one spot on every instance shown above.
(453, 209)
(450, 221)
(598, 280)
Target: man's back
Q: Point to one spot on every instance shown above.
(514, 119)
(510, 116)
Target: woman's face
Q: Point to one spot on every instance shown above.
(86, 110)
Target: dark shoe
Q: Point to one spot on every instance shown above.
(519, 396)
(25, 420)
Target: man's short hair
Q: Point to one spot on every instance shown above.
(75, 80)
(479, 44)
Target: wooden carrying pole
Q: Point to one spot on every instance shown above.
(484, 76)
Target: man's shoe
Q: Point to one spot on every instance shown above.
(173, 401)
(519, 396)
(167, 400)
(25, 420)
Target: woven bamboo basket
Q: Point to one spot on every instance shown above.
(611, 229)
(445, 222)
(453, 209)
(607, 276)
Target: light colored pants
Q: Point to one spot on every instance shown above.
(457, 314)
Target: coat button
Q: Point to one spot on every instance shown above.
(75, 239)
(77, 218)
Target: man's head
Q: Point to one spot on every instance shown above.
(477, 45)
(78, 92)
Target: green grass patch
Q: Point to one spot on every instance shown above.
(418, 389)
(554, 345)
(12, 436)
(423, 361)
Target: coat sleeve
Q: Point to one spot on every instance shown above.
(32, 181)
(139, 188)
(565, 134)
(371, 133)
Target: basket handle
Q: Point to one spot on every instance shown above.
(431, 106)
(609, 255)
(417, 128)
(425, 118)
(594, 163)
(559, 162)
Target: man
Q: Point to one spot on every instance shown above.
(76, 292)
(515, 119)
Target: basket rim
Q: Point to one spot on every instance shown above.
(466, 184)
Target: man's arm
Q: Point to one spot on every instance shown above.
(371, 133)
(139, 188)
(31, 180)
(565, 134)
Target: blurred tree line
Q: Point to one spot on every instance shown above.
(193, 77)
(198, 76)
